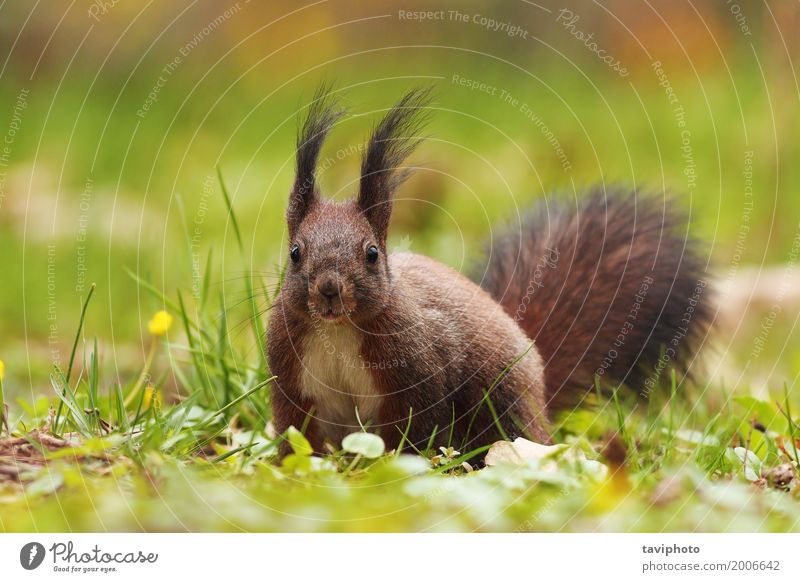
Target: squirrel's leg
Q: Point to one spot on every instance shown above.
(296, 412)
(412, 416)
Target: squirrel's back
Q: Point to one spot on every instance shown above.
(609, 286)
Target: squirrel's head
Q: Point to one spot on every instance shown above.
(337, 265)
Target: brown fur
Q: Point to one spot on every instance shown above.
(424, 348)
(624, 282)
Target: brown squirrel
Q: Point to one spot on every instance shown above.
(414, 351)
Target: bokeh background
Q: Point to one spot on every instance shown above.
(115, 115)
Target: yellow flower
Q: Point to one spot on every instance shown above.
(2, 370)
(160, 323)
(151, 396)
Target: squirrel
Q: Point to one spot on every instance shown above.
(412, 350)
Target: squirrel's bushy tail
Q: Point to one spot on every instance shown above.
(609, 285)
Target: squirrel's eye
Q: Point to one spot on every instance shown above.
(294, 253)
(372, 254)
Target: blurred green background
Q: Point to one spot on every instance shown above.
(115, 115)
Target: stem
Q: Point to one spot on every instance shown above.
(3, 419)
(145, 373)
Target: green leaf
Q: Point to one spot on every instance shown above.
(750, 462)
(300, 464)
(365, 444)
(298, 442)
(764, 412)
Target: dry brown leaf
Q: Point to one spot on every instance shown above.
(519, 451)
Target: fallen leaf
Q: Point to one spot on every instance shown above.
(520, 451)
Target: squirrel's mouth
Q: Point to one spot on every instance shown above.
(331, 313)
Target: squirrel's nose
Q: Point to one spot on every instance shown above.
(329, 286)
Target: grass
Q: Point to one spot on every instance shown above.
(185, 465)
(186, 444)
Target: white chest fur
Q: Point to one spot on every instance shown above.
(336, 379)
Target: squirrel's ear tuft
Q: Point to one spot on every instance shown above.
(323, 113)
(392, 141)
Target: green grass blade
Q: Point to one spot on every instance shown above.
(74, 350)
(258, 327)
